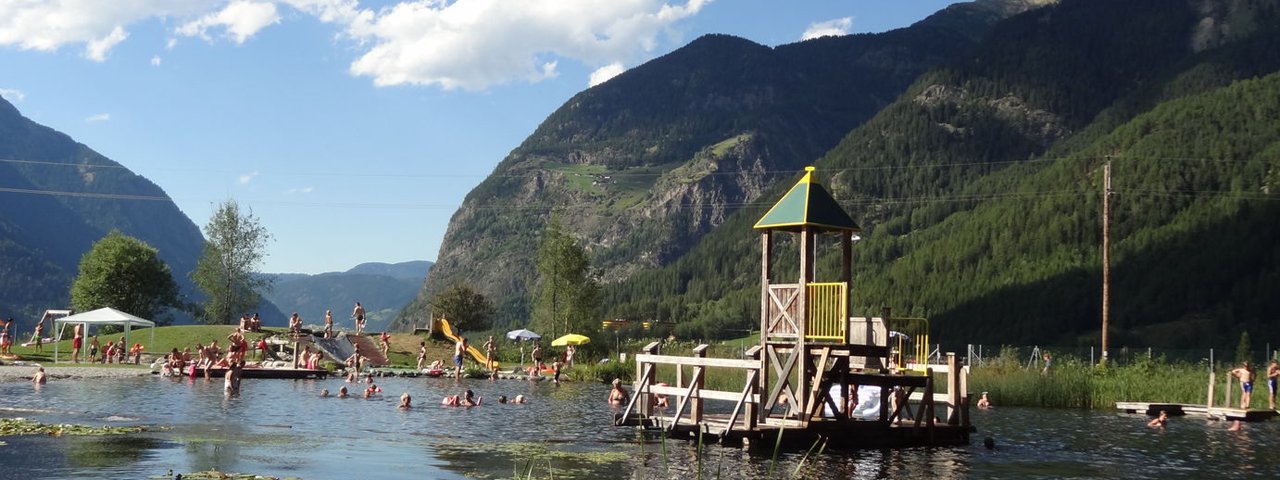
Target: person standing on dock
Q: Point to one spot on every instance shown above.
(1245, 374)
(1273, 375)
(358, 315)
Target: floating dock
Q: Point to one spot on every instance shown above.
(805, 382)
(1180, 409)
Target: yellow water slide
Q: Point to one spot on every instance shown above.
(441, 325)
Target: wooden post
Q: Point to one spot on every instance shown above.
(646, 403)
(752, 409)
(1226, 403)
(1106, 256)
(762, 380)
(953, 390)
(699, 378)
(1209, 398)
(800, 405)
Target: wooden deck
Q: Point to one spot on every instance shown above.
(916, 415)
(838, 434)
(1180, 409)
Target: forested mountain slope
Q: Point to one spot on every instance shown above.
(647, 163)
(58, 197)
(979, 188)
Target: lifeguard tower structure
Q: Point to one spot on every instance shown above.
(802, 382)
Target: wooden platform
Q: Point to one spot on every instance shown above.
(278, 373)
(1180, 409)
(840, 435)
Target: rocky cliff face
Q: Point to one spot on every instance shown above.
(640, 167)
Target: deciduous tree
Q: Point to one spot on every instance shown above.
(463, 307)
(126, 274)
(235, 244)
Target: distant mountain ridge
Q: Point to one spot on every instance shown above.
(383, 288)
(58, 197)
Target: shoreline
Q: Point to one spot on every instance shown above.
(23, 373)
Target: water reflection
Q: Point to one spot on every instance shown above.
(284, 428)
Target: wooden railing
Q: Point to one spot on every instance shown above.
(827, 316)
(689, 396)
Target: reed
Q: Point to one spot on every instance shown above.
(1073, 383)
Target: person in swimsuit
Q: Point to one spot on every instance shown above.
(4, 336)
(38, 338)
(93, 349)
(405, 401)
(1160, 420)
(40, 378)
(328, 324)
(422, 354)
(358, 314)
(1273, 375)
(1245, 374)
(459, 349)
(617, 395)
(984, 402)
(490, 352)
(76, 342)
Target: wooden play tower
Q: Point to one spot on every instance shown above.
(802, 380)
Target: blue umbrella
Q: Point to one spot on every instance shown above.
(522, 334)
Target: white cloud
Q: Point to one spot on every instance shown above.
(240, 19)
(101, 117)
(475, 44)
(300, 190)
(248, 177)
(155, 60)
(97, 48)
(603, 74)
(12, 94)
(836, 27)
(97, 24)
(450, 44)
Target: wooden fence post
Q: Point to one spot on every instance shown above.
(699, 379)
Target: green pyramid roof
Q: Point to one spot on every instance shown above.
(807, 204)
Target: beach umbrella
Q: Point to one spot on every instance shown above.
(522, 334)
(571, 339)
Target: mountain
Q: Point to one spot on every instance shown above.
(647, 163)
(384, 289)
(979, 188)
(414, 270)
(58, 197)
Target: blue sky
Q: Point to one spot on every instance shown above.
(353, 129)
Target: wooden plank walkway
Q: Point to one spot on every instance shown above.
(1178, 409)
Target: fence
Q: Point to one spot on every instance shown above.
(1033, 356)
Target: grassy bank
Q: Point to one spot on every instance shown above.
(1073, 383)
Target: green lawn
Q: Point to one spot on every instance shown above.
(166, 339)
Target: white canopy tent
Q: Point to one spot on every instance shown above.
(102, 316)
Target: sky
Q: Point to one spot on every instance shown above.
(353, 129)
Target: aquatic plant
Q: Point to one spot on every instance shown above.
(22, 426)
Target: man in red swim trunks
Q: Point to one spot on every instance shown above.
(76, 342)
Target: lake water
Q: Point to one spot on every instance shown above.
(283, 428)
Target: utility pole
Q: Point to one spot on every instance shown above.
(1106, 255)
